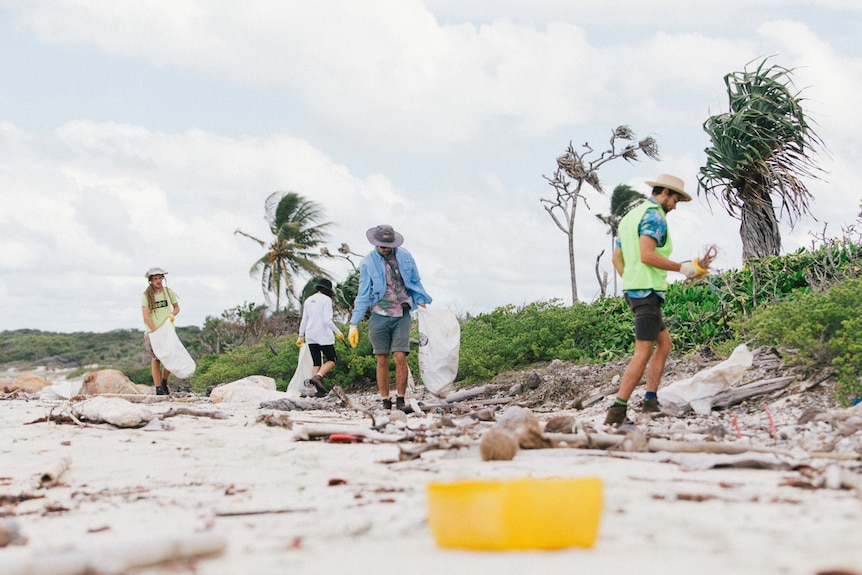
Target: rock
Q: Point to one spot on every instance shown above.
(525, 426)
(560, 424)
(113, 410)
(498, 444)
(108, 381)
(27, 383)
(254, 388)
(533, 381)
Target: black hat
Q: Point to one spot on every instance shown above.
(325, 286)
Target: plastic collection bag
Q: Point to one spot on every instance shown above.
(171, 352)
(439, 346)
(297, 388)
(698, 389)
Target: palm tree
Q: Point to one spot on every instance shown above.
(292, 248)
(761, 148)
(623, 198)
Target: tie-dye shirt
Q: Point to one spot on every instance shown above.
(396, 297)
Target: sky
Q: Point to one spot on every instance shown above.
(140, 134)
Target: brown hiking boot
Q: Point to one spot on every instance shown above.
(616, 415)
(319, 389)
(650, 405)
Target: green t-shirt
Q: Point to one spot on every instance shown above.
(163, 307)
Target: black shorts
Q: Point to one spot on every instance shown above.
(317, 350)
(648, 320)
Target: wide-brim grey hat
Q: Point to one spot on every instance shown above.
(672, 183)
(156, 271)
(384, 236)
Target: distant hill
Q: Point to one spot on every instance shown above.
(122, 348)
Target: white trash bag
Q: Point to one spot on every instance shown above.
(171, 352)
(698, 390)
(439, 346)
(297, 387)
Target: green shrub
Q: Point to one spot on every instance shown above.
(822, 328)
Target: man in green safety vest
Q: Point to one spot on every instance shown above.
(641, 257)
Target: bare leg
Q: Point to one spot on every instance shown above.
(655, 368)
(635, 369)
(383, 375)
(324, 369)
(400, 372)
(156, 370)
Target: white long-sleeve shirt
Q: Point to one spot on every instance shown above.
(317, 325)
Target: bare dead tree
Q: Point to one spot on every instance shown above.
(602, 276)
(574, 170)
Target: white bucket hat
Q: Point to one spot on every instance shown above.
(672, 183)
(156, 271)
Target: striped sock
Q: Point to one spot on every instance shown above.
(621, 401)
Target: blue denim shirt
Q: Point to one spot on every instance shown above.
(372, 282)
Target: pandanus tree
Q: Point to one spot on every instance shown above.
(294, 246)
(762, 148)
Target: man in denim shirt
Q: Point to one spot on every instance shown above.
(641, 257)
(389, 285)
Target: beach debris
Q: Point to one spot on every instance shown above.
(52, 473)
(10, 533)
(306, 431)
(112, 410)
(116, 557)
(175, 411)
(275, 420)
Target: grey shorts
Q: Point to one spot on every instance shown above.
(388, 334)
(648, 320)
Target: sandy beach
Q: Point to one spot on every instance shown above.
(264, 502)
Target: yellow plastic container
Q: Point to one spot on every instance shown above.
(515, 514)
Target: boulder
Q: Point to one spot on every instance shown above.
(254, 388)
(26, 383)
(108, 381)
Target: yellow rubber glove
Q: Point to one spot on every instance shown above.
(339, 335)
(693, 269)
(353, 336)
(299, 342)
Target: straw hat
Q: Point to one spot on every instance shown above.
(672, 183)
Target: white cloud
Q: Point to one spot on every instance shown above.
(439, 118)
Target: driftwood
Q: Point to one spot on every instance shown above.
(734, 395)
(313, 430)
(174, 411)
(595, 398)
(115, 558)
(51, 475)
(655, 444)
(262, 512)
(470, 393)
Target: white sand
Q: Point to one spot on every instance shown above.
(135, 486)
